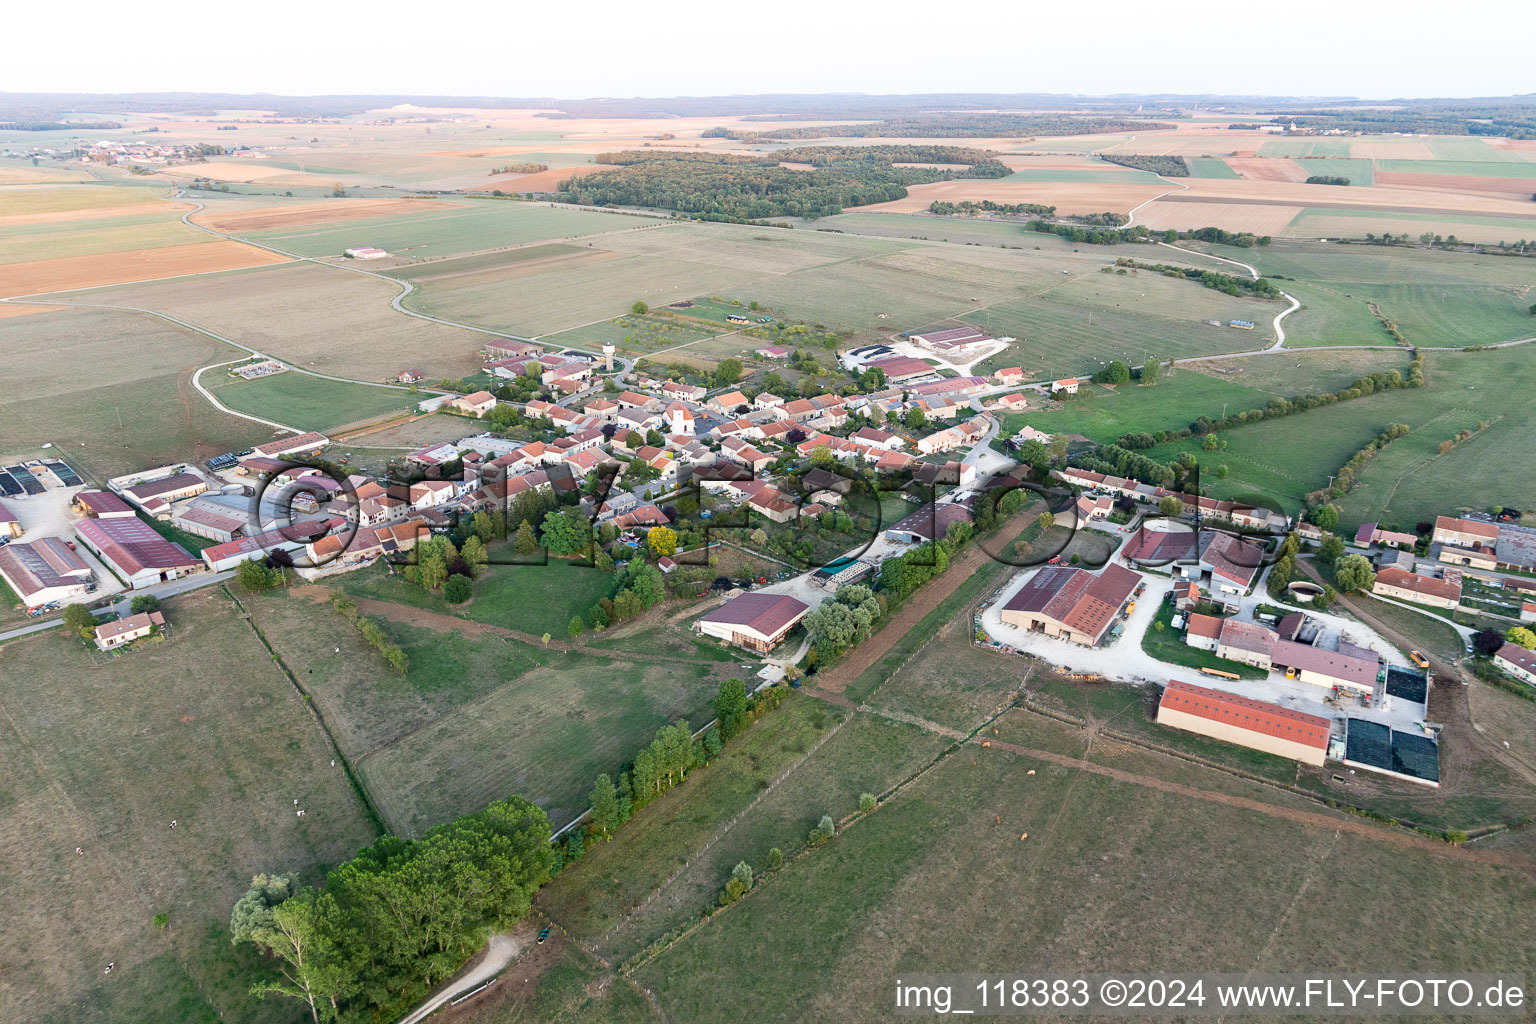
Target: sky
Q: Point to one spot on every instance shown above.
(693, 48)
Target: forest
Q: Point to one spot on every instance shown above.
(738, 188)
(1167, 166)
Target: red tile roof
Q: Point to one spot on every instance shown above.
(763, 613)
(1246, 713)
(133, 546)
(1405, 580)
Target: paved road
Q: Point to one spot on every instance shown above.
(499, 952)
(121, 606)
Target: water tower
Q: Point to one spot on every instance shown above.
(608, 358)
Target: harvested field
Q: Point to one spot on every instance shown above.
(77, 272)
(1067, 197)
(297, 215)
(470, 271)
(319, 317)
(147, 228)
(1267, 168)
(748, 248)
(241, 172)
(1321, 222)
(1513, 188)
(1384, 149)
(1351, 196)
(543, 181)
(40, 175)
(88, 213)
(1261, 220)
(10, 309)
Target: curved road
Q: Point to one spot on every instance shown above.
(500, 952)
(1253, 273)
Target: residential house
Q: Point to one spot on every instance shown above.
(1067, 384)
(1518, 662)
(728, 403)
(1203, 632)
(1008, 376)
(680, 392)
(477, 404)
(126, 631)
(1464, 533)
(410, 377)
(764, 400)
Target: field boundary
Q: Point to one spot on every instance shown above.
(369, 807)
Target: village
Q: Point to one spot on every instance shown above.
(832, 486)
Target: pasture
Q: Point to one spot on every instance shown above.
(202, 729)
(113, 414)
(1103, 414)
(1089, 319)
(318, 317)
(311, 403)
(501, 296)
(49, 240)
(545, 734)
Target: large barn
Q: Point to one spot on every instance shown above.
(759, 622)
(1073, 604)
(1244, 721)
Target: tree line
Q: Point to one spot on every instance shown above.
(398, 918)
(519, 169)
(970, 208)
(1261, 288)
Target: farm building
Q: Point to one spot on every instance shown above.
(1518, 662)
(951, 341)
(102, 505)
(930, 522)
(901, 368)
(156, 496)
(773, 352)
(366, 252)
(133, 550)
(300, 444)
(43, 571)
(759, 622)
(506, 348)
(1249, 723)
(10, 526)
(212, 518)
(1073, 604)
(1464, 533)
(1408, 586)
(126, 631)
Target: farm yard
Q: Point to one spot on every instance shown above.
(105, 764)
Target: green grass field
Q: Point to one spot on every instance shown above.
(1211, 167)
(533, 599)
(1176, 399)
(313, 403)
(1480, 168)
(202, 729)
(1359, 172)
(448, 231)
(20, 201)
(1287, 457)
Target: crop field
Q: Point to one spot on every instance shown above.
(56, 240)
(505, 299)
(468, 226)
(313, 403)
(763, 250)
(105, 764)
(1187, 216)
(847, 919)
(29, 205)
(316, 316)
(1318, 222)
(1211, 167)
(120, 413)
(240, 218)
(1073, 328)
(1359, 172)
(1067, 196)
(99, 269)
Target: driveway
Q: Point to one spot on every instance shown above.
(499, 952)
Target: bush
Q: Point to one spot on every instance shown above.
(823, 831)
(458, 589)
(867, 801)
(775, 858)
(144, 603)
